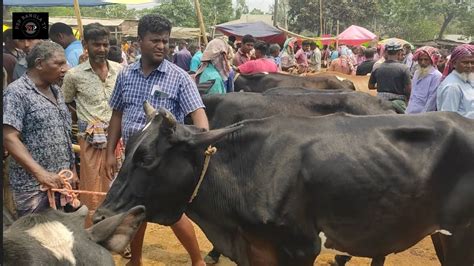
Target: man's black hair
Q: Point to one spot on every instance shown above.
(369, 53)
(153, 23)
(113, 41)
(95, 31)
(313, 44)
(232, 38)
(60, 27)
(248, 38)
(115, 54)
(306, 42)
(261, 46)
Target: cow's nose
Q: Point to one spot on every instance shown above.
(98, 218)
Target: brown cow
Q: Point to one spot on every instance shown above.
(360, 82)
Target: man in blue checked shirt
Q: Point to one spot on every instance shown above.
(162, 84)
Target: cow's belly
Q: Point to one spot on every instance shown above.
(373, 243)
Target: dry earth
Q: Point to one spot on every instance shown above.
(162, 248)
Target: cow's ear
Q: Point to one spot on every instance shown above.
(210, 137)
(116, 232)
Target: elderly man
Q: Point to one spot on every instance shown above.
(456, 91)
(37, 129)
(425, 81)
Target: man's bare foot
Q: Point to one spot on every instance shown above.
(199, 263)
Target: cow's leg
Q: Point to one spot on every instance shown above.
(460, 247)
(439, 243)
(341, 260)
(378, 261)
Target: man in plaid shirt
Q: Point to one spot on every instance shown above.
(162, 84)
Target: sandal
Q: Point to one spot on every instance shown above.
(126, 253)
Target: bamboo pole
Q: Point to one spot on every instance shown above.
(275, 13)
(201, 21)
(337, 34)
(320, 17)
(77, 12)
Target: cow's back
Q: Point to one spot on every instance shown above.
(223, 110)
(263, 81)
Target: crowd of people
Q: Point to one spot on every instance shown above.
(101, 86)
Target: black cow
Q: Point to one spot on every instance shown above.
(263, 81)
(58, 238)
(225, 109)
(369, 185)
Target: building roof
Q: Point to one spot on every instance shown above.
(458, 38)
(72, 21)
(176, 32)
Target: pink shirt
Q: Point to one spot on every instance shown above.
(258, 66)
(240, 58)
(301, 58)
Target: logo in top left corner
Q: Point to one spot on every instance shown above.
(30, 25)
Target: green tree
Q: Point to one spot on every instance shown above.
(180, 12)
(241, 8)
(304, 14)
(216, 11)
(256, 11)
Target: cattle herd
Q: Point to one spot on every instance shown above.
(302, 164)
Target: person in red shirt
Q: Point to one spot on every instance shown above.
(261, 63)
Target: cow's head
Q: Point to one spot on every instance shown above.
(162, 166)
(54, 237)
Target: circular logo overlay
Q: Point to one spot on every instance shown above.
(30, 27)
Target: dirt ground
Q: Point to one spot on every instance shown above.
(162, 248)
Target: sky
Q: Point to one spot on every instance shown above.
(263, 5)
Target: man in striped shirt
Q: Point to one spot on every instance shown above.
(162, 84)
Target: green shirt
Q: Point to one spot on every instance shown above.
(211, 73)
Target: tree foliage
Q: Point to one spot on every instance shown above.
(180, 12)
(413, 20)
(241, 8)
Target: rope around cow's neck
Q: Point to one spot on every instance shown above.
(67, 190)
(209, 152)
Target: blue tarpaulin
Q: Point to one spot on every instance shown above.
(259, 30)
(46, 3)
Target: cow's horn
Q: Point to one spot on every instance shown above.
(168, 118)
(149, 110)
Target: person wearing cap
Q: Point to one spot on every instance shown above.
(183, 57)
(456, 91)
(425, 81)
(392, 78)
